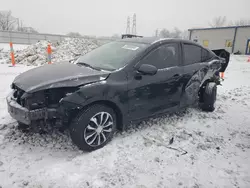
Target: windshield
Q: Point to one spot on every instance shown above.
(111, 56)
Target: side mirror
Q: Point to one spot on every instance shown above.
(147, 69)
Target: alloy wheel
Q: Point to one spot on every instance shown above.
(98, 129)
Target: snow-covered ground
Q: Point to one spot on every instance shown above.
(36, 54)
(211, 149)
(5, 51)
(6, 47)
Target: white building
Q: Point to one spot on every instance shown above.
(233, 39)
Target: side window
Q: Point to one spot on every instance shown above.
(205, 55)
(163, 57)
(192, 54)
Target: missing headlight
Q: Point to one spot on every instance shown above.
(35, 101)
(54, 96)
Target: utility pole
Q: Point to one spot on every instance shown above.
(134, 25)
(18, 26)
(128, 26)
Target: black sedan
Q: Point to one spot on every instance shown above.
(120, 82)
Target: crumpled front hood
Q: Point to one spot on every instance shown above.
(56, 76)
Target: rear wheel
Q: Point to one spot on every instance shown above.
(93, 128)
(209, 97)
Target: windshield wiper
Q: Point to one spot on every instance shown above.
(88, 65)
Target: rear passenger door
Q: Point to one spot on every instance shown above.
(194, 58)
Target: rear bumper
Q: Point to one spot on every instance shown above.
(26, 116)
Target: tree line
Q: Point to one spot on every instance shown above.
(221, 21)
(11, 23)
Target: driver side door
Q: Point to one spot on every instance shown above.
(152, 94)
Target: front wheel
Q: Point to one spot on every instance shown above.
(93, 128)
(209, 97)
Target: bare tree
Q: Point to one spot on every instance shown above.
(116, 36)
(28, 29)
(176, 33)
(185, 34)
(164, 33)
(218, 21)
(7, 21)
(240, 22)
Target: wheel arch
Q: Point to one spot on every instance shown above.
(114, 106)
(209, 77)
(203, 87)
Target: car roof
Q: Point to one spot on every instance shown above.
(152, 40)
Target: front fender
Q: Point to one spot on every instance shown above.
(96, 92)
(88, 93)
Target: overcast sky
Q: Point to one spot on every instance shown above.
(107, 17)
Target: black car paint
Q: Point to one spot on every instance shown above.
(162, 89)
(196, 75)
(112, 91)
(134, 96)
(57, 76)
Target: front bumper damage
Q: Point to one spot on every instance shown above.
(25, 116)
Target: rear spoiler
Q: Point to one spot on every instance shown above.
(225, 56)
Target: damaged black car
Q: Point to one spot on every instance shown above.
(118, 83)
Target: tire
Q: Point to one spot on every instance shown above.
(86, 131)
(209, 97)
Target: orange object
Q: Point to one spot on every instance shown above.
(248, 60)
(12, 54)
(49, 53)
(222, 75)
(49, 49)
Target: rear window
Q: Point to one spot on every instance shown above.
(206, 55)
(192, 54)
(196, 54)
